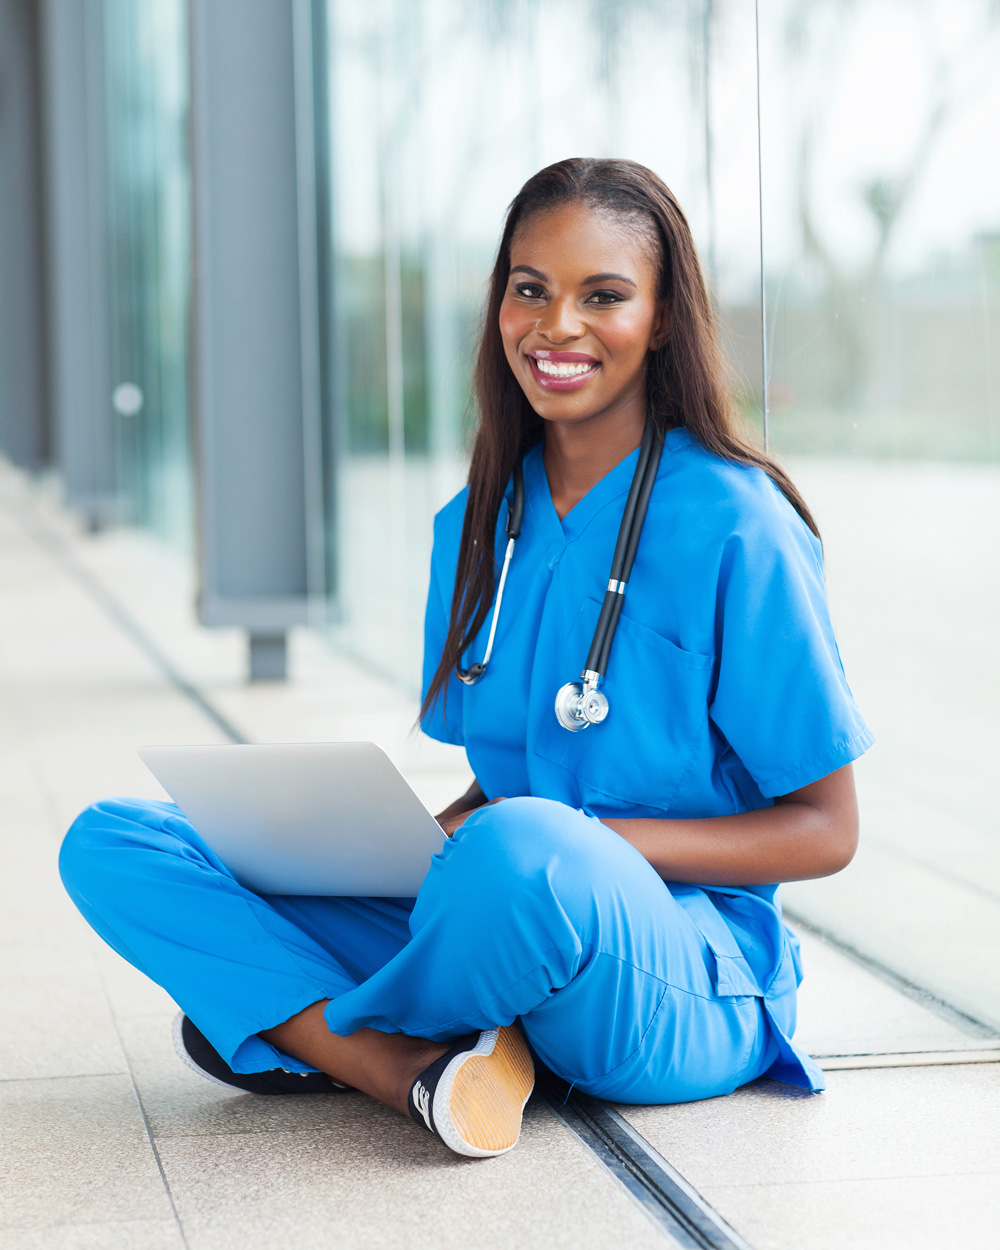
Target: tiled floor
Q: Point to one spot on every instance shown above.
(107, 1141)
(902, 1157)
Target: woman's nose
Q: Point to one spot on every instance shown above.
(561, 321)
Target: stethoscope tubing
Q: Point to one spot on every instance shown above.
(633, 519)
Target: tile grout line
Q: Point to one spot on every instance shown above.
(35, 1228)
(670, 1201)
(62, 1076)
(907, 1059)
(59, 552)
(141, 1107)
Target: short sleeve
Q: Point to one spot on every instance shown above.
(781, 697)
(444, 720)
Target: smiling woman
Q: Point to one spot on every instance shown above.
(605, 900)
(571, 327)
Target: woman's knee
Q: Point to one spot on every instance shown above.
(525, 841)
(107, 826)
(520, 835)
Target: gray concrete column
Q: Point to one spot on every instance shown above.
(248, 361)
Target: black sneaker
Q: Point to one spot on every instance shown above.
(197, 1052)
(472, 1097)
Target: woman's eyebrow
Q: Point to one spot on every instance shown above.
(607, 277)
(590, 281)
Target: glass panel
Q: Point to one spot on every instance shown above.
(439, 111)
(882, 260)
(146, 94)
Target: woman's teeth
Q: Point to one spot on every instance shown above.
(552, 370)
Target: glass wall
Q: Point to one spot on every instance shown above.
(878, 220)
(439, 111)
(146, 103)
(881, 241)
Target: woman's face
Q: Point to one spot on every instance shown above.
(580, 314)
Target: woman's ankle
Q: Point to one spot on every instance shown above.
(413, 1059)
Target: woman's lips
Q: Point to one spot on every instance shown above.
(562, 371)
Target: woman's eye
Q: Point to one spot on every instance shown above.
(605, 297)
(530, 290)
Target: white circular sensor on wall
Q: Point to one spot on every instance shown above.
(127, 399)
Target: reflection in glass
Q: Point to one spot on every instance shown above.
(881, 241)
(438, 112)
(145, 81)
(881, 246)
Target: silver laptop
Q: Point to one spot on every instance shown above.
(303, 818)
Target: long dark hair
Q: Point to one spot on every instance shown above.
(686, 380)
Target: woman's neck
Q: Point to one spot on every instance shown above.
(576, 456)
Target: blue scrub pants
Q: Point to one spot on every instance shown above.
(532, 911)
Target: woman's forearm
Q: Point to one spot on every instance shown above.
(810, 833)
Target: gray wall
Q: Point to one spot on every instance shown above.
(23, 406)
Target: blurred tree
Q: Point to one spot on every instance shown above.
(810, 37)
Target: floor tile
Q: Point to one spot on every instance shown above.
(64, 1026)
(41, 932)
(844, 1009)
(383, 1182)
(179, 1103)
(908, 1213)
(74, 1150)
(876, 1123)
(130, 992)
(125, 1235)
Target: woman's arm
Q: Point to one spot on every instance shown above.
(456, 812)
(812, 832)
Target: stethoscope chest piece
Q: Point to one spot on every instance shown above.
(579, 704)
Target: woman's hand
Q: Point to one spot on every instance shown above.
(455, 813)
(450, 823)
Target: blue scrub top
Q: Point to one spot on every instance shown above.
(725, 683)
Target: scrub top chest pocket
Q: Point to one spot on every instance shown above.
(656, 727)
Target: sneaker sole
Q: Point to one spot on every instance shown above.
(480, 1098)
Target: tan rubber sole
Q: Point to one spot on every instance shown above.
(489, 1093)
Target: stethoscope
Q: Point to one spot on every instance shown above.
(582, 703)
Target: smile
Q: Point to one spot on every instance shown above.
(562, 371)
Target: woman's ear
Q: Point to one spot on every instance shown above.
(661, 329)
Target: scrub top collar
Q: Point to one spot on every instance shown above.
(612, 487)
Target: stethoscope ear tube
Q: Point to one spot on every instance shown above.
(515, 515)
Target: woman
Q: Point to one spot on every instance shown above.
(607, 892)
